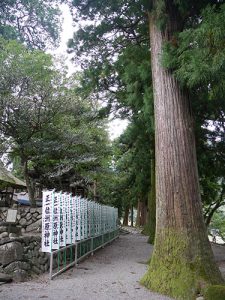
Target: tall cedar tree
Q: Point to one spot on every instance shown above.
(182, 262)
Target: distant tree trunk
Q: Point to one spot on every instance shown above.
(143, 213)
(138, 214)
(152, 205)
(182, 262)
(132, 216)
(126, 215)
(151, 216)
(30, 185)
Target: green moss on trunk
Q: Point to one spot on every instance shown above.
(178, 268)
(215, 292)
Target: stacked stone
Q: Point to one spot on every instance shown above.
(28, 218)
(38, 260)
(3, 213)
(21, 257)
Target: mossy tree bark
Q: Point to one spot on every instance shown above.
(182, 261)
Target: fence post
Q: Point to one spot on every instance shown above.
(51, 265)
(103, 240)
(76, 255)
(92, 246)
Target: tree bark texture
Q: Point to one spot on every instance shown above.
(182, 261)
(30, 187)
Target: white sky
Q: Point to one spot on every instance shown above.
(117, 126)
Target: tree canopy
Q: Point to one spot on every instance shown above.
(35, 23)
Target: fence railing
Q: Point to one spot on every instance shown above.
(68, 256)
(73, 227)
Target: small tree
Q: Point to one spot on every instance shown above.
(30, 97)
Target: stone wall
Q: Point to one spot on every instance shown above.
(28, 218)
(21, 257)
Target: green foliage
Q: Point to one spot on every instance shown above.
(34, 22)
(111, 28)
(198, 56)
(218, 222)
(159, 11)
(117, 72)
(43, 120)
(215, 292)
(28, 86)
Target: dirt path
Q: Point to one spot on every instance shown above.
(112, 273)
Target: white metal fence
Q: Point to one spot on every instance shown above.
(73, 227)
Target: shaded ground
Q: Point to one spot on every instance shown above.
(112, 273)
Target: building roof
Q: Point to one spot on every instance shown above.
(9, 178)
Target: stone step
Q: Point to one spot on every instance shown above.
(5, 278)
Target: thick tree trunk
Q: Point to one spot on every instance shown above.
(30, 187)
(182, 262)
(126, 215)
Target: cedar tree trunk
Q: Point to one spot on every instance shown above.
(182, 262)
(143, 212)
(126, 215)
(138, 214)
(132, 216)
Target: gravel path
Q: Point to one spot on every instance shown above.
(112, 273)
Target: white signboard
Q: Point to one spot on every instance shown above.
(78, 219)
(47, 221)
(56, 221)
(62, 230)
(67, 219)
(73, 220)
